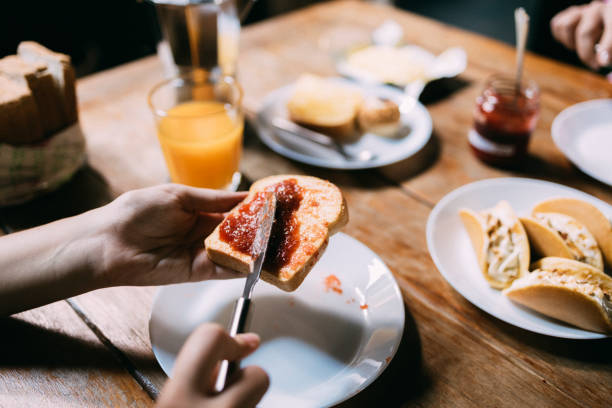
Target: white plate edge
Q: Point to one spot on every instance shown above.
(569, 153)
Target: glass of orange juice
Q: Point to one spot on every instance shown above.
(199, 127)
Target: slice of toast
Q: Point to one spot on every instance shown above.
(39, 80)
(308, 211)
(325, 105)
(19, 117)
(61, 69)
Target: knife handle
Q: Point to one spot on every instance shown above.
(237, 325)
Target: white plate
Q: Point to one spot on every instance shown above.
(583, 132)
(426, 66)
(387, 150)
(451, 250)
(319, 347)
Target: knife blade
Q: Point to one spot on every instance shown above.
(260, 243)
(243, 304)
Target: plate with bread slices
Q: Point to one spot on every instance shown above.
(340, 124)
(535, 254)
(329, 323)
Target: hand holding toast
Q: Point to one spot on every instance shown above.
(155, 235)
(151, 236)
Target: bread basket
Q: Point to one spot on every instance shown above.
(27, 171)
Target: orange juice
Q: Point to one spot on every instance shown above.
(201, 142)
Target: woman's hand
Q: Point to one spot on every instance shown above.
(195, 372)
(151, 236)
(156, 235)
(588, 30)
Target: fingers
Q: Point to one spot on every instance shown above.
(588, 33)
(563, 25)
(203, 269)
(604, 47)
(203, 350)
(206, 200)
(204, 225)
(248, 388)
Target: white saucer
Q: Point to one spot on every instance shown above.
(452, 252)
(583, 132)
(318, 346)
(387, 150)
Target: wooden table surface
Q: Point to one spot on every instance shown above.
(94, 350)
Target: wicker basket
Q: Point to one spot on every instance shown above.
(28, 171)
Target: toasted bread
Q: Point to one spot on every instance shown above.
(500, 243)
(19, 117)
(308, 211)
(39, 80)
(559, 235)
(568, 290)
(379, 116)
(325, 105)
(586, 213)
(61, 69)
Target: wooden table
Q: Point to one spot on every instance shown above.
(94, 350)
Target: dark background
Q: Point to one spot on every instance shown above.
(102, 34)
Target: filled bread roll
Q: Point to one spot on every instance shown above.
(590, 216)
(568, 290)
(500, 243)
(556, 234)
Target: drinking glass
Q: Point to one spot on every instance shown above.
(199, 126)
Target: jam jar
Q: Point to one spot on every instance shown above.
(504, 118)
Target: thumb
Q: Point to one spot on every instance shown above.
(206, 200)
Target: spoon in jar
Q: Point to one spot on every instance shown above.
(521, 22)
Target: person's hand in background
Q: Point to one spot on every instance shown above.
(195, 371)
(587, 29)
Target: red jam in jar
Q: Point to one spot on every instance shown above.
(504, 119)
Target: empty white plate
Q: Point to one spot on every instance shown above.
(320, 346)
(452, 252)
(583, 132)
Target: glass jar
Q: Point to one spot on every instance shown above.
(504, 118)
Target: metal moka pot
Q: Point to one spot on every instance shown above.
(201, 34)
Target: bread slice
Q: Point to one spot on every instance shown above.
(19, 117)
(568, 290)
(39, 80)
(500, 243)
(589, 215)
(325, 105)
(61, 69)
(308, 211)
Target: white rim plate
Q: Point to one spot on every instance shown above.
(387, 150)
(583, 132)
(452, 252)
(319, 347)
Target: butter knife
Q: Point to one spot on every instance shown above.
(241, 308)
(318, 138)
